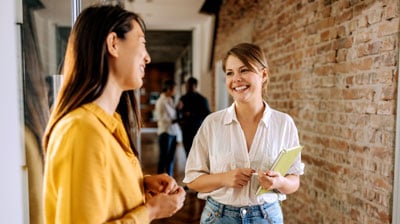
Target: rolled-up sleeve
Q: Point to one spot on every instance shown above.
(293, 140)
(198, 162)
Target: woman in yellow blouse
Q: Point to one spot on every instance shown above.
(92, 173)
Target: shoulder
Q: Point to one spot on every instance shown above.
(216, 117)
(200, 96)
(78, 124)
(281, 119)
(77, 117)
(160, 100)
(280, 115)
(79, 129)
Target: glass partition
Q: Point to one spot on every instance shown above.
(44, 30)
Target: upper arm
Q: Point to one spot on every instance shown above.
(198, 162)
(77, 168)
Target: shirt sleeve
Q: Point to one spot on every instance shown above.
(77, 178)
(197, 162)
(293, 137)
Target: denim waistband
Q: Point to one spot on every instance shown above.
(245, 211)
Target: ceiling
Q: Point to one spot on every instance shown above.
(166, 46)
(168, 14)
(169, 22)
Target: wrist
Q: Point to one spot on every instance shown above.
(145, 179)
(150, 211)
(224, 179)
(281, 185)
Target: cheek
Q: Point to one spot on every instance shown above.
(227, 82)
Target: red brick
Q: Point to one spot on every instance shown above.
(334, 68)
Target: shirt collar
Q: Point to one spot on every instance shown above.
(110, 122)
(231, 114)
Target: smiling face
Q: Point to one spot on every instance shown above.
(244, 85)
(130, 59)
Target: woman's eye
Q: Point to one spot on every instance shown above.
(229, 73)
(244, 70)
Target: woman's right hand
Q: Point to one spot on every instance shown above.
(164, 205)
(238, 178)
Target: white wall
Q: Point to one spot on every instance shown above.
(221, 94)
(12, 192)
(202, 37)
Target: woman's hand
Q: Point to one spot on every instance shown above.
(270, 179)
(237, 178)
(161, 183)
(164, 205)
(274, 180)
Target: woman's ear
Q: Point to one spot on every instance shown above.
(112, 44)
(265, 75)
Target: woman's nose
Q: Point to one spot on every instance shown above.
(237, 76)
(147, 58)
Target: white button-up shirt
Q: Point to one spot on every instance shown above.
(220, 146)
(165, 114)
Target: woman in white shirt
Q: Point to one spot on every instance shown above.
(168, 130)
(235, 147)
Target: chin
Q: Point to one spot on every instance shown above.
(139, 83)
(138, 86)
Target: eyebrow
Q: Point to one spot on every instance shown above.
(240, 67)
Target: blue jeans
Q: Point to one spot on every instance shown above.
(217, 213)
(167, 144)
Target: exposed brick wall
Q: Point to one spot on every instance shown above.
(333, 68)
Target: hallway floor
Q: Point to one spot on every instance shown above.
(191, 211)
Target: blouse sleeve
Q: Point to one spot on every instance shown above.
(136, 216)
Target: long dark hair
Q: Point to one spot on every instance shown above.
(85, 70)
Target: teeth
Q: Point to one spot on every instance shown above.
(240, 88)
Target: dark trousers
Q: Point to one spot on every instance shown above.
(167, 144)
(188, 136)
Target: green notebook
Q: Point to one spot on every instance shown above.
(282, 163)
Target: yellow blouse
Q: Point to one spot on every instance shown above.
(91, 174)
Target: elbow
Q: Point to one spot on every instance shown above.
(292, 185)
(197, 187)
(295, 186)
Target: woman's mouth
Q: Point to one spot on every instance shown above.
(142, 68)
(240, 88)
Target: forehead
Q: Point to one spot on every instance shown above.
(233, 61)
(137, 29)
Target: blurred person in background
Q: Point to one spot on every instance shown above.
(192, 108)
(168, 130)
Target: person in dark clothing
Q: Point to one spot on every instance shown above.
(193, 108)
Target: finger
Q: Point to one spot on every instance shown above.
(273, 174)
(243, 182)
(170, 186)
(175, 187)
(248, 171)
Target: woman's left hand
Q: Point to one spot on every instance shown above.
(160, 183)
(270, 179)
